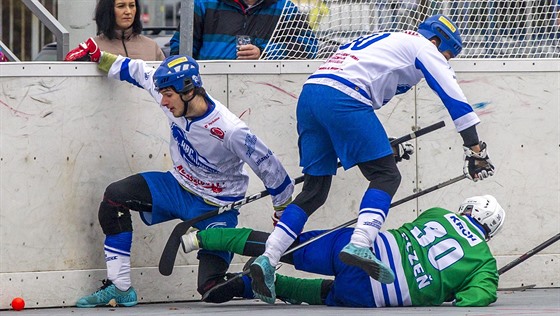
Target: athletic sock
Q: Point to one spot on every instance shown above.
(373, 212)
(285, 233)
(117, 257)
(303, 290)
(224, 239)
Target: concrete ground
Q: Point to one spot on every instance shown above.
(526, 302)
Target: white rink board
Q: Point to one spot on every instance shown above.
(67, 132)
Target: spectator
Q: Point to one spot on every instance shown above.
(119, 30)
(217, 22)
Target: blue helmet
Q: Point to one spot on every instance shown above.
(179, 72)
(446, 30)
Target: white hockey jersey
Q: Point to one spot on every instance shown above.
(209, 152)
(374, 68)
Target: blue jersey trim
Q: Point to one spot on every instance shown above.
(393, 267)
(345, 82)
(383, 286)
(287, 181)
(125, 73)
(455, 108)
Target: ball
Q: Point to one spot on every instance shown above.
(18, 303)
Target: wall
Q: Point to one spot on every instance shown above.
(67, 132)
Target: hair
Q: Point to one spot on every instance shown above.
(105, 18)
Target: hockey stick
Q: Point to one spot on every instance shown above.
(529, 254)
(307, 242)
(169, 253)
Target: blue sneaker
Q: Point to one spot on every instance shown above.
(109, 295)
(262, 280)
(363, 258)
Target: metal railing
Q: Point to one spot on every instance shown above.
(59, 31)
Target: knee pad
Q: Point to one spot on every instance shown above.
(114, 218)
(382, 174)
(314, 193)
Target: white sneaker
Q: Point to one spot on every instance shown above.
(189, 241)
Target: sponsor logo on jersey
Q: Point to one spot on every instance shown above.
(217, 132)
(211, 122)
(187, 151)
(214, 187)
(463, 230)
(263, 158)
(250, 142)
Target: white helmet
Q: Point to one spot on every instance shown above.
(486, 211)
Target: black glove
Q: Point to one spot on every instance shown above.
(478, 165)
(402, 151)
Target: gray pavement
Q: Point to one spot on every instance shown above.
(527, 302)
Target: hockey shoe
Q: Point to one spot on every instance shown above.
(363, 258)
(262, 280)
(189, 241)
(109, 295)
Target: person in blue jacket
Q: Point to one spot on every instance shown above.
(217, 23)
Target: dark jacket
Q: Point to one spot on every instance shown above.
(217, 22)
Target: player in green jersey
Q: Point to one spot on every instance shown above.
(439, 257)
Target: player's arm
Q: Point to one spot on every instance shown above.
(264, 163)
(133, 71)
(441, 79)
(480, 291)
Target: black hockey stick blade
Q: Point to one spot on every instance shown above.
(529, 254)
(169, 254)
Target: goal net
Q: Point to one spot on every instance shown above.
(489, 29)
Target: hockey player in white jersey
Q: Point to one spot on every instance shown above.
(441, 256)
(336, 120)
(209, 146)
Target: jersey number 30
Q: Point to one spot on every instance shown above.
(364, 41)
(442, 253)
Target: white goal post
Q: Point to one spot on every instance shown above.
(490, 29)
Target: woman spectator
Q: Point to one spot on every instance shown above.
(119, 30)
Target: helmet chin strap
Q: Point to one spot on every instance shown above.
(186, 103)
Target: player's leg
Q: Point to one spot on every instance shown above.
(351, 286)
(373, 154)
(299, 290)
(116, 222)
(319, 162)
(214, 263)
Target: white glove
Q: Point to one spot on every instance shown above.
(402, 151)
(478, 166)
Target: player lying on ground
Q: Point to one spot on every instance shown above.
(336, 119)
(439, 257)
(209, 147)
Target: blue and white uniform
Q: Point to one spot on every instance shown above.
(208, 153)
(336, 103)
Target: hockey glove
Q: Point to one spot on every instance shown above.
(477, 165)
(87, 51)
(402, 151)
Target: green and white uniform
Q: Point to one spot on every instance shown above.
(443, 256)
(439, 257)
